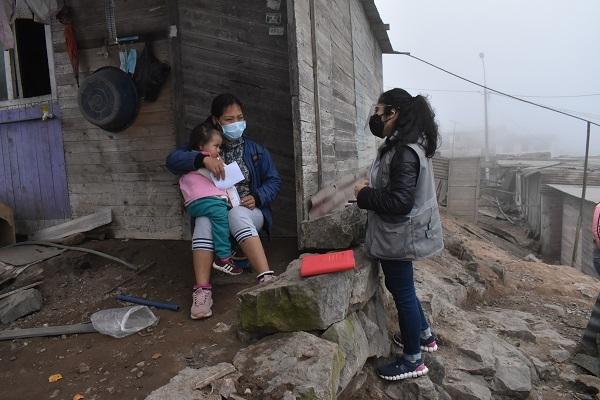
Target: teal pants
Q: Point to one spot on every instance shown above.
(216, 209)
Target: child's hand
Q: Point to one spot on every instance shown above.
(216, 166)
(360, 186)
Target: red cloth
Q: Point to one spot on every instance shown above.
(327, 263)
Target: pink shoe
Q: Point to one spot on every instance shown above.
(266, 277)
(201, 304)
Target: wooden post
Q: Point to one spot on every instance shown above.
(583, 191)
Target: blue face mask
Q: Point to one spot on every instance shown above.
(234, 131)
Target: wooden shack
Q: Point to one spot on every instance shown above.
(308, 72)
(560, 205)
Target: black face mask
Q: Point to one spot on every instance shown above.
(376, 125)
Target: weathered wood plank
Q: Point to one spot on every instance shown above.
(78, 225)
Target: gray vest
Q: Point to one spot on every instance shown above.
(415, 235)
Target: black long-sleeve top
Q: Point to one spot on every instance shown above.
(399, 196)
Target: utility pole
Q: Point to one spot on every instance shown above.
(486, 150)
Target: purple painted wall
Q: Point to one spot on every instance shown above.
(33, 180)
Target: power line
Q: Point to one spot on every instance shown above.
(498, 91)
(520, 95)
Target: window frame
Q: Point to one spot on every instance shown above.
(13, 78)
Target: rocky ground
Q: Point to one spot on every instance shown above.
(507, 327)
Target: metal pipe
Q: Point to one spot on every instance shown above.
(151, 303)
(583, 192)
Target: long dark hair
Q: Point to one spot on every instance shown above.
(202, 133)
(416, 120)
(218, 106)
(221, 102)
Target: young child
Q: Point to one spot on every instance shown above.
(203, 199)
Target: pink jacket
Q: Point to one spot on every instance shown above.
(194, 186)
(596, 225)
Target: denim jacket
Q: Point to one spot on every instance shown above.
(265, 181)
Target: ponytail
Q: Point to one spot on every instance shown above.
(427, 125)
(416, 120)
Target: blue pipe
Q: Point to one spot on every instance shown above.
(151, 303)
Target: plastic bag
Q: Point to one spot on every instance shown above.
(121, 322)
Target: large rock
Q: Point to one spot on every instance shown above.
(352, 340)
(185, 385)
(462, 386)
(20, 304)
(340, 229)
(484, 353)
(302, 363)
(412, 389)
(292, 303)
(512, 378)
(374, 321)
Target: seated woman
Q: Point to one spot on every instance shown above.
(257, 191)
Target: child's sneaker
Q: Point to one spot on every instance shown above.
(428, 345)
(201, 304)
(265, 277)
(402, 369)
(227, 266)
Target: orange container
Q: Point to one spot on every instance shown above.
(327, 263)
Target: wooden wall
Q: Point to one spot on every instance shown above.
(123, 170)
(584, 258)
(226, 46)
(551, 224)
(336, 76)
(463, 188)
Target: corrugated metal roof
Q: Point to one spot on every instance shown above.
(379, 28)
(526, 163)
(592, 193)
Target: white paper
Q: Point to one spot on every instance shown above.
(233, 175)
(234, 197)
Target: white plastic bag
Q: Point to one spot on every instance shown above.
(121, 322)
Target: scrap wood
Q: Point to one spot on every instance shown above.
(77, 225)
(502, 212)
(80, 249)
(3, 295)
(47, 331)
(18, 256)
(11, 272)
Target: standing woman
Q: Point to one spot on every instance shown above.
(257, 191)
(403, 217)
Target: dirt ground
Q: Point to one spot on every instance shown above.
(101, 367)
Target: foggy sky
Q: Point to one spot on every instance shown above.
(532, 47)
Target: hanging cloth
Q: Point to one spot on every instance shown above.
(150, 74)
(44, 10)
(6, 34)
(128, 60)
(65, 17)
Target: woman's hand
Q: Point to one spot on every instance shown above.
(248, 202)
(360, 186)
(215, 165)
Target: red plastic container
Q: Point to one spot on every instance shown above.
(327, 263)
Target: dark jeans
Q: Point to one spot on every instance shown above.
(400, 282)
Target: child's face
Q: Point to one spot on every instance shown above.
(213, 147)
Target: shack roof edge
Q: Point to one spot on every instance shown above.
(379, 28)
